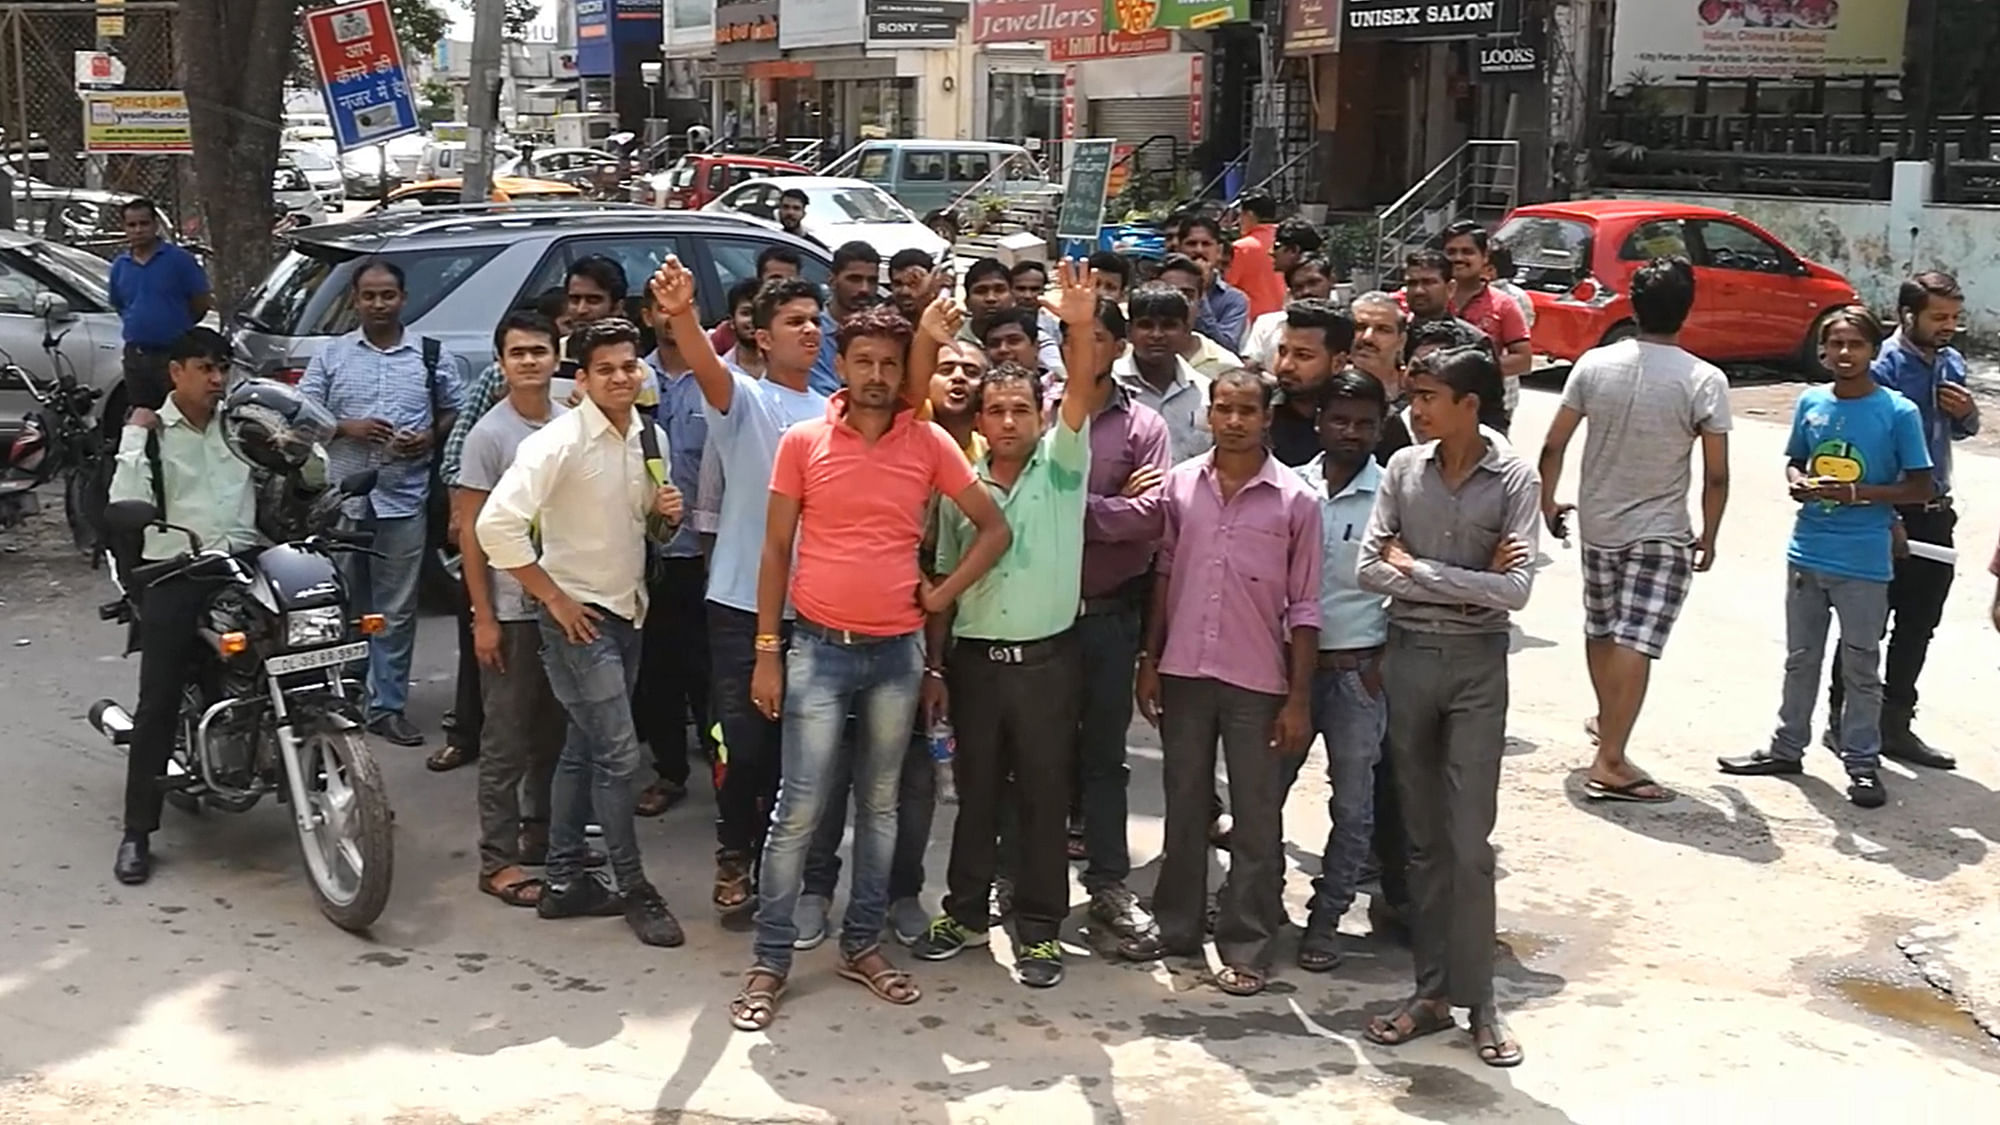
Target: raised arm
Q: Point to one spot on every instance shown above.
(937, 327)
(673, 296)
(1076, 306)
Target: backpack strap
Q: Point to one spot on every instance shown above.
(158, 474)
(433, 353)
(649, 446)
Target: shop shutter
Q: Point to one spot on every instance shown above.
(1132, 120)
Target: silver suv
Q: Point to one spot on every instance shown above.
(466, 267)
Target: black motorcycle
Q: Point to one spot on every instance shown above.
(269, 708)
(59, 440)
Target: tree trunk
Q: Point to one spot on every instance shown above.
(236, 54)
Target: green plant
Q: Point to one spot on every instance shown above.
(1350, 243)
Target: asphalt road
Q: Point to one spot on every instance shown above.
(1726, 958)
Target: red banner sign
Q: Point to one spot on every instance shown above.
(1197, 97)
(1110, 45)
(1069, 103)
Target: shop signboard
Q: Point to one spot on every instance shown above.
(746, 31)
(1403, 21)
(150, 121)
(1310, 27)
(359, 63)
(1069, 103)
(1197, 97)
(1686, 40)
(1509, 58)
(1137, 16)
(821, 23)
(1034, 21)
(1082, 213)
(1110, 45)
(915, 21)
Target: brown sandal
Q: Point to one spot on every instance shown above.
(756, 1006)
(523, 891)
(732, 882)
(1240, 980)
(450, 756)
(1410, 1021)
(888, 983)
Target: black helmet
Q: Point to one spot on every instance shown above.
(272, 426)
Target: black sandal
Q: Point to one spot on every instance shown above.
(1494, 1040)
(1412, 1020)
(450, 757)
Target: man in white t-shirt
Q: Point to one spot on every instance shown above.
(1647, 400)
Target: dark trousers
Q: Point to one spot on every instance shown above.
(916, 807)
(1916, 604)
(519, 761)
(468, 706)
(1250, 906)
(1447, 727)
(169, 651)
(1108, 645)
(750, 742)
(673, 667)
(1392, 844)
(1014, 708)
(146, 382)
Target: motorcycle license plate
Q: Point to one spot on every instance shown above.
(318, 658)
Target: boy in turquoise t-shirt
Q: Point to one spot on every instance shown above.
(1857, 449)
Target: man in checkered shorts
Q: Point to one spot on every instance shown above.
(1647, 400)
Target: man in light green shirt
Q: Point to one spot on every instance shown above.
(1005, 662)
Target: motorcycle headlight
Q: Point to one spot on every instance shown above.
(305, 628)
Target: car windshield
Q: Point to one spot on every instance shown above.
(855, 204)
(309, 158)
(680, 176)
(1550, 254)
(311, 292)
(86, 273)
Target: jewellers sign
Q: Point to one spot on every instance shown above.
(1393, 19)
(1034, 21)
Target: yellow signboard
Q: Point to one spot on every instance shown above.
(136, 121)
(110, 21)
(1684, 40)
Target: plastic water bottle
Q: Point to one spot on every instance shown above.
(944, 745)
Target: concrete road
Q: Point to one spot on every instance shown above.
(1725, 958)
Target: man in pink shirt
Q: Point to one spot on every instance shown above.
(1231, 644)
(1250, 265)
(850, 492)
(1475, 301)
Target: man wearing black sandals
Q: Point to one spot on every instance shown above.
(1451, 541)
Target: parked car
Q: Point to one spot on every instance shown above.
(929, 176)
(1756, 299)
(838, 211)
(293, 197)
(320, 170)
(52, 291)
(447, 193)
(442, 158)
(552, 163)
(695, 180)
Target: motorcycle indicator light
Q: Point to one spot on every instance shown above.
(229, 644)
(372, 623)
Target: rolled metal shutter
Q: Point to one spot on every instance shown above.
(1132, 120)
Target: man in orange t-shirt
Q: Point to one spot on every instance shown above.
(851, 491)
(1250, 265)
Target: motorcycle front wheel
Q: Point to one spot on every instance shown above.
(344, 832)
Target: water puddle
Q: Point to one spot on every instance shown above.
(1915, 1005)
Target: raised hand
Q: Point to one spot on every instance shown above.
(673, 287)
(1075, 303)
(942, 320)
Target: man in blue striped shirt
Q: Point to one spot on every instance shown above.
(392, 400)
(1920, 363)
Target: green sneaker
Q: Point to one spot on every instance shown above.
(944, 939)
(1040, 965)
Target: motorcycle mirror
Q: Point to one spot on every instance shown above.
(358, 484)
(130, 516)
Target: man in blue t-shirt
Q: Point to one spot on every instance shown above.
(160, 292)
(1857, 450)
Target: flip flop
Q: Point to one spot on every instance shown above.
(1425, 1017)
(1504, 1050)
(1240, 980)
(526, 891)
(1598, 791)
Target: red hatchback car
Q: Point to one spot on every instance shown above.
(1754, 299)
(697, 178)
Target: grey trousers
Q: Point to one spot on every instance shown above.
(1447, 727)
(521, 739)
(1812, 598)
(1250, 906)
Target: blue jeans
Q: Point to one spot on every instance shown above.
(825, 682)
(916, 807)
(1812, 598)
(599, 766)
(1352, 720)
(388, 586)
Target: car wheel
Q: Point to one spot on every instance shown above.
(1809, 363)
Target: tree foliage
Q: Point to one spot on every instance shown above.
(420, 24)
(520, 15)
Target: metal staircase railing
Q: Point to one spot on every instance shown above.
(1481, 181)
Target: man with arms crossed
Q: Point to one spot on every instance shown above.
(1451, 540)
(582, 481)
(1647, 400)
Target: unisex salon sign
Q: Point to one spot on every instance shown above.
(1394, 19)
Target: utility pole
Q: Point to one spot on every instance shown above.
(482, 110)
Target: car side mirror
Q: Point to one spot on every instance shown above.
(53, 307)
(129, 517)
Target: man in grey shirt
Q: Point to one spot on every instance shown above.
(524, 727)
(1647, 400)
(1451, 541)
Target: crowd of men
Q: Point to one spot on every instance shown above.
(808, 544)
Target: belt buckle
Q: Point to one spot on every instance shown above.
(1004, 654)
